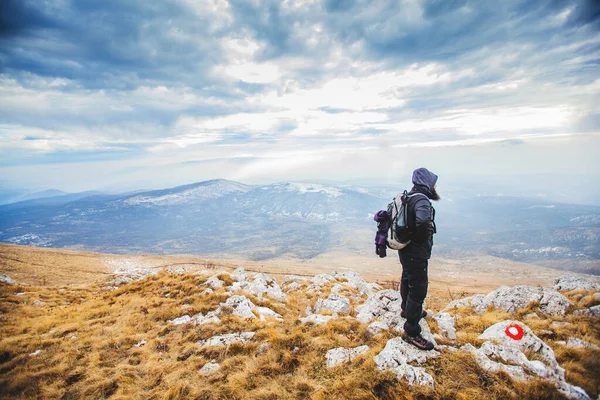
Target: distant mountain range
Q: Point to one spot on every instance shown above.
(294, 219)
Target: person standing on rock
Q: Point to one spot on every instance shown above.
(415, 256)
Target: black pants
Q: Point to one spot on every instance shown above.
(413, 289)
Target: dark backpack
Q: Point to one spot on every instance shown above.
(400, 234)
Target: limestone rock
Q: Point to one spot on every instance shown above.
(377, 327)
(571, 282)
(357, 282)
(239, 274)
(414, 375)
(263, 348)
(266, 312)
(227, 339)
(210, 317)
(184, 319)
(214, 282)
(7, 279)
(38, 303)
(472, 301)
(528, 343)
(581, 344)
(340, 355)
(316, 319)
(484, 362)
(512, 299)
(386, 306)
(334, 303)
(209, 368)
(589, 312)
(140, 343)
(446, 324)
(258, 284)
(321, 279)
(398, 352)
(240, 306)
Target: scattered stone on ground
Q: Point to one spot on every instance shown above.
(341, 355)
(209, 368)
(7, 279)
(589, 312)
(334, 303)
(227, 339)
(446, 324)
(569, 282)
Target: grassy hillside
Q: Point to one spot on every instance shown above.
(81, 343)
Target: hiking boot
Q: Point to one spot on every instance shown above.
(423, 314)
(418, 341)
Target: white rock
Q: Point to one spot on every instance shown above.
(214, 282)
(589, 312)
(414, 375)
(308, 310)
(571, 282)
(513, 298)
(337, 288)
(321, 279)
(377, 327)
(7, 279)
(240, 306)
(341, 355)
(239, 274)
(292, 286)
(185, 306)
(446, 324)
(581, 344)
(265, 312)
(528, 343)
(385, 305)
(227, 339)
(398, 352)
(209, 368)
(184, 319)
(531, 316)
(263, 348)
(259, 285)
(293, 278)
(140, 343)
(207, 291)
(210, 318)
(38, 303)
(19, 294)
(316, 319)
(485, 363)
(35, 353)
(357, 282)
(334, 303)
(472, 301)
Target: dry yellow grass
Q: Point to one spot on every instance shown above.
(86, 334)
(87, 337)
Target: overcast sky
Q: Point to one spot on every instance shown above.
(107, 94)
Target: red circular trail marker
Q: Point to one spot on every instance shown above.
(514, 331)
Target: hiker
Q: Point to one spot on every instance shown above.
(414, 257)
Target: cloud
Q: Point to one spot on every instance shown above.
(301, 86)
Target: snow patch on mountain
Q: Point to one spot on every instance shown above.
(210, 190)
(302, 188)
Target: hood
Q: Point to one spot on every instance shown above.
(425, 179)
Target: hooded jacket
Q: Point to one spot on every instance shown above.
(421, 215)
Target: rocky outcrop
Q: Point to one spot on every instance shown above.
(385, 306)
(7, 279)
(397, 356)
(446, 324)
(567, 283)
(355, 281)
(316, 319)
(334, 303)
(589, 312)
(257, 284)
(513, 298)
(209, 368)
(341, 355)
(226, 340)
(506, 347)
